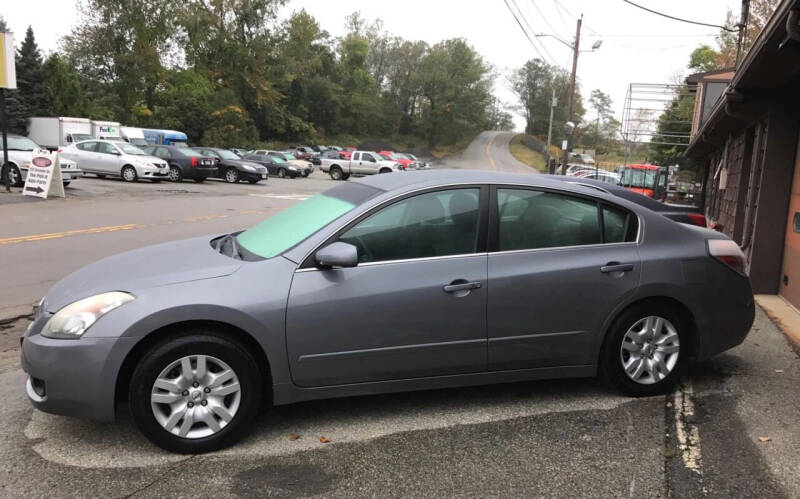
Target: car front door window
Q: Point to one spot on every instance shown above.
(427, 225)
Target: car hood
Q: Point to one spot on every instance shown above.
(135, 270)
(242, 162)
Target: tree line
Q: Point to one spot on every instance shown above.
(234, 74)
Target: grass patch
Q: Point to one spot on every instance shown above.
(443, 150)
(526, 155)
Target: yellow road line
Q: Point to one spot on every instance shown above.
(114, 228)
(489, 154)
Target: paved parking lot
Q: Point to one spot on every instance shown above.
(730, 431)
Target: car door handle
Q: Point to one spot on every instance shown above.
(616, 267)
(464, 286)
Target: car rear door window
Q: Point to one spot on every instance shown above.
(86, 146)
(530, 219)
(434, 224)
(619, 225)
(162, 152)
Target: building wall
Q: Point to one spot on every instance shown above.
(729, 197)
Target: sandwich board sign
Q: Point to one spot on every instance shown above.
(44, 176)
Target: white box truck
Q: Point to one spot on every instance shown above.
(106, 130)
(53, 133)
(133, 135)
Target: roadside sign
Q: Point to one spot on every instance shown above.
(8, 72)
(44, 176)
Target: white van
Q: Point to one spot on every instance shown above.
(107, 130)
(55, 132)
(133, 135)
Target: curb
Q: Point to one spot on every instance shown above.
(784, 315)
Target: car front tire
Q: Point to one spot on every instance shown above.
(129, 174)
(195, 393)
(232, 175)
(336, 173)
(645, 351)
(175, 174)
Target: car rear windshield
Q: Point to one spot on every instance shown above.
(293, 225)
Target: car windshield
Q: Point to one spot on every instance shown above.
(129, 149)
(293, 225)
(189, 152)
(289, 157)
(22, 144)
(391, 155)
(276, 159)
(634, 177)
(226, 154)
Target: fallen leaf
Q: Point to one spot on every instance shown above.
(764, 439)
(324, 440)
(778, 370)
(293, 436)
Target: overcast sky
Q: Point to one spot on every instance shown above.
(637, 46)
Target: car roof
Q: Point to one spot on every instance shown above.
(433, 178)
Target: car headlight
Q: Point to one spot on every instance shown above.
(293, 168)
(248, 168)
(73, 320)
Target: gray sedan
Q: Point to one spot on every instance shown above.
(395, 282)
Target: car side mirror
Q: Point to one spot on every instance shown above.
(337, 254)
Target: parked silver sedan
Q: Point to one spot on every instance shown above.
(421, 280)
(116, 159)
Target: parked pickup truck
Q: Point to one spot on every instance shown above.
(360, 163)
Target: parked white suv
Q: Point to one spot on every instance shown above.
(20, 152)
(116, 158)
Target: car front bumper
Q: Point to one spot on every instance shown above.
(74, 377)
(155, 173)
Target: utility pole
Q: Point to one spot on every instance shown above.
(553, 104)
(571, 92)
(4, 168)
(742, 30)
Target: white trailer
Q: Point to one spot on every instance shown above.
(133, 135)
(108, 130)
(55, 132)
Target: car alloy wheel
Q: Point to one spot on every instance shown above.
(282, 173)
(231, 175)
(129, 174)
(336, 173)
(650, 350)
(175, 174)
(195, 396)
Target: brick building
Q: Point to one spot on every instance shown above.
(746, 130)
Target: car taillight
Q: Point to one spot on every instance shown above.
(194, 161)
(698, 219)
(58, 150)
(728, 253)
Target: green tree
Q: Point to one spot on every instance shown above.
(703, 58)
(230, 126)
(183, 104)
(601, 103)
(29, 75)
(63, 94)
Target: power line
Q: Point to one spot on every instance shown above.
(680, 19)
(558, 11)
(551, 58)
(524, 31)
(544, 18)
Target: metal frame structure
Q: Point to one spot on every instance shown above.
(644, 103)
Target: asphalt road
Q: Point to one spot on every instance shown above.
(567, 438)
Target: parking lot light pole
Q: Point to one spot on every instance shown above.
(4, 169)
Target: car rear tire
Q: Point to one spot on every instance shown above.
(641, 355)
(128, 174)
(175, 174)
(385, 170)
(232, 175)
(282, 173)
(195, 393)
(336, 173)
